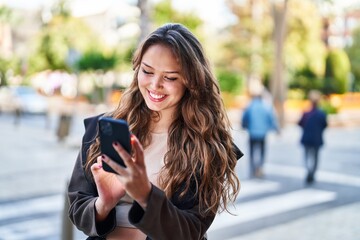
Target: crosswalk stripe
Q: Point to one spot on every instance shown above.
(31, 206)
(244, 211)
(253, 210)
(31, 229)
(254, 186)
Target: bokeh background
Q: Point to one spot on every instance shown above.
(64, 60)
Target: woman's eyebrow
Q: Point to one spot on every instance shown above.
(147, 65)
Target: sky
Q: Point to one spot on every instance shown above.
(212, 11)
(206, 9)
(199, 4)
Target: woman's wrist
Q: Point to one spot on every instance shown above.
(143, 203)
(101, 210)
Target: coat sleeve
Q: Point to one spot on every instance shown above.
(82, 193)
(163, 220)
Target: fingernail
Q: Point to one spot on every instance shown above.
(115, 143)
(102, 156)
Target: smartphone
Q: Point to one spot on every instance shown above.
(113, 130)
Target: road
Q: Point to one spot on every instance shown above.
(35, 168)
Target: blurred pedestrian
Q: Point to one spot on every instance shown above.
(313, 123)
(258, 119)
(182, 168)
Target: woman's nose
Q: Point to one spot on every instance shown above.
(157, 82)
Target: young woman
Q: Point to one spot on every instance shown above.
(181, 169)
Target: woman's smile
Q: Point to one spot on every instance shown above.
(160, 80)
(156, 97)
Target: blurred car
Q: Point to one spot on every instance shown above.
(23, 99)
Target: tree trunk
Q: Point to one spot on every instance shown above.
(144, 19)
(277, 84)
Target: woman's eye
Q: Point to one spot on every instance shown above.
(171, 79)
(146, 72)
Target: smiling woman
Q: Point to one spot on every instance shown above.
(181, 170)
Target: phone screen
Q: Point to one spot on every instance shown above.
(112, 130)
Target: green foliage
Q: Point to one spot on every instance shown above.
(327, 107)
(95, 60)
(164, 13)
(61, 8)
(304, 49)
(6, 66)
(296, 94)
(247, 39)
(55, 40)
(128, 54)
(306, 80)
(336, 72)
(6, 14)
(230, 81)
(353, 52)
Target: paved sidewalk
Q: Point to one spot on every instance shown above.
(37, 166)
(339, 223)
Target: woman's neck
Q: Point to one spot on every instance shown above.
(162, 123)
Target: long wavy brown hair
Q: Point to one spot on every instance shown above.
(200, 146)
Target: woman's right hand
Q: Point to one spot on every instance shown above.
(109, 188)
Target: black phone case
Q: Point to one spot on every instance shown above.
(112, 130)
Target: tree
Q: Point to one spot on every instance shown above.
(58, 37)
(7, 61)
(229, 81)
(353, 51)
(95, 60)
(96, 64)
(164, 12)
(304, 48)
(143, 5)
(337, 72)
(274, 40)
(247, 48)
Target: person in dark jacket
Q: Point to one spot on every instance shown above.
(181, 170)
(313, 124)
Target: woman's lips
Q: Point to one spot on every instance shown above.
(156, 97)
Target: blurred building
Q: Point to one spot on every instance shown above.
(339, 23)
(351, 21)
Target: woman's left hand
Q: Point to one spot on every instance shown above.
(134, 176)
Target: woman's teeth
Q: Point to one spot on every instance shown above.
(156, 96)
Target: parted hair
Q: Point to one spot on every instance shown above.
(200, 147)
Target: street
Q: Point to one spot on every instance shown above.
(36, 167)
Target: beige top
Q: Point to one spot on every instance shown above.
(154, 156)
(154, 160)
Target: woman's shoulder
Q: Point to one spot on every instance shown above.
(91, 121)
(90, 124)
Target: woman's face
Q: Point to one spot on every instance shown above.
(159, 79)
